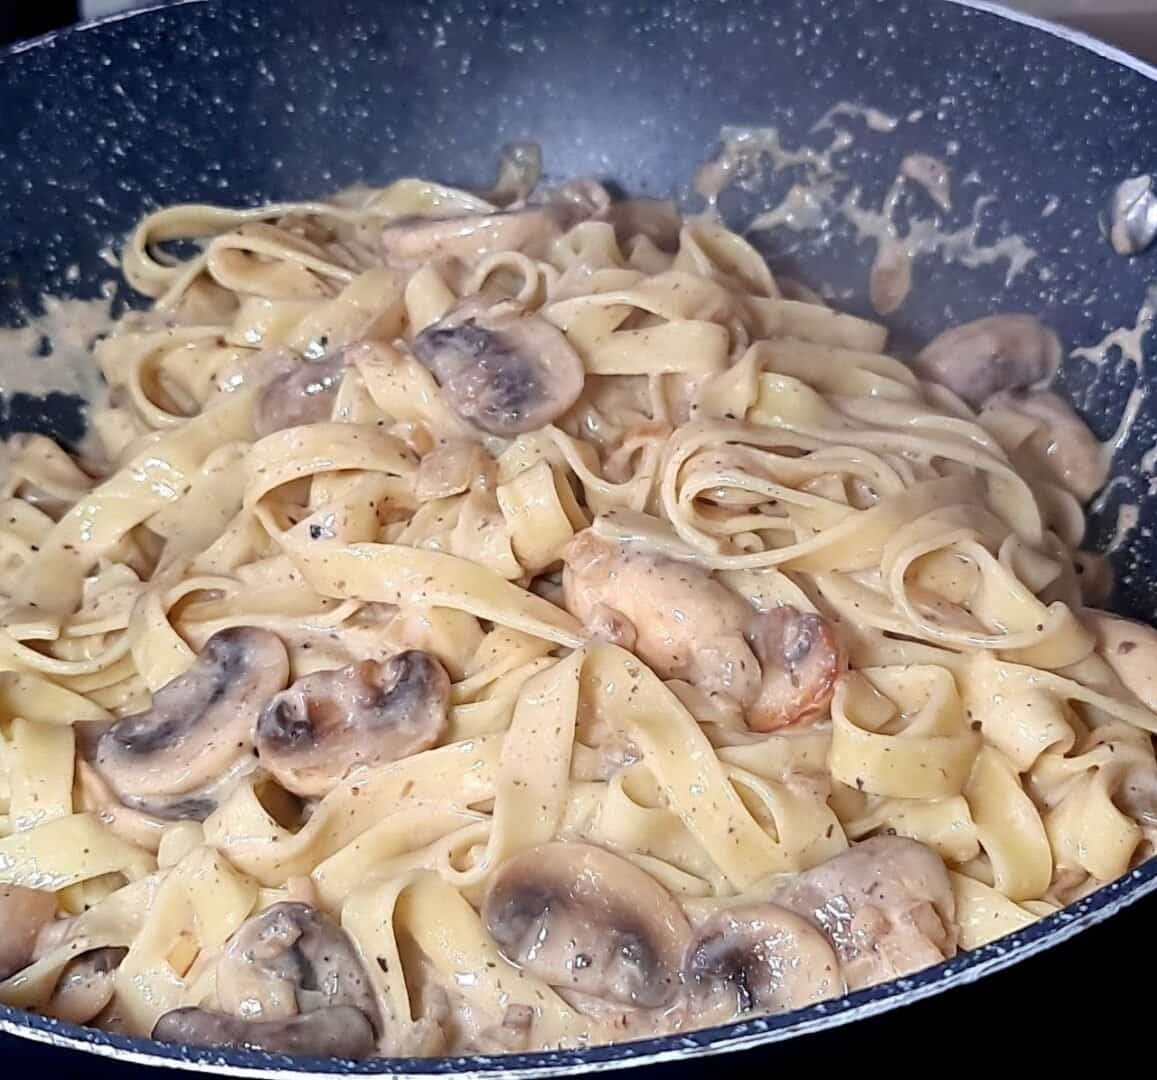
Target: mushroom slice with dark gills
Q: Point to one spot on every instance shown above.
(329, 722)
(1000, 352)
(502, 369)
(581, 918)
(298, 391)
(86, 986)
(200, 726)
(758, 958)
(290, 982)
(801, 657)
(886, 905)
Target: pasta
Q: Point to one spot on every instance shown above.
(483, 624)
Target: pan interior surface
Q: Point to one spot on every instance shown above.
(247, 102)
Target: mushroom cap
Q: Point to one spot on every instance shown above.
(999, 352)
(86, 985)
(801, 657)
(503, 370)
(339, 1031)
(291, 959)
(24, 913)
(328, 722)
(300, 391)
(886, 905)
(200, 723)
(759, 958)
(580, 917)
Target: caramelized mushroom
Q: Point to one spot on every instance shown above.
(23, 914)
(503, 370)
(200, 724)
(656, 219)
(289, 981)
(886, 905)
(577, 916)
(1063, 446)
(86, 985)
(1000, 352)
(325, 724)
(339, 1031)
(758, 958)
(682, 622)
(801, 656)
(301, 392)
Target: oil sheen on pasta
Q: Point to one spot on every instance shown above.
(538, 630)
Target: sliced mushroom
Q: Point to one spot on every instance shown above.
(684, 623)
(86, 986)
(502, 369)
(1133, 215)
(1130, 649)
(886, 905)
(23, 914)
(340, 1031)
(801, 657)
(200, 724)
(758, 958)
(288, 981)
(329, 722)
(1063, 447)
(1000, 352)
(580, 917)
(299, 391)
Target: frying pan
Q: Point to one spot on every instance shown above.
(254, 101)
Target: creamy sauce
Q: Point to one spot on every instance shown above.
(67, 329)
(1128, 518)
(823, 193)
(874, 118)
(1128, 339)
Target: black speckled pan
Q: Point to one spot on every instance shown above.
(256, 100)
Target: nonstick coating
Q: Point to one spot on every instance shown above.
(253, 100)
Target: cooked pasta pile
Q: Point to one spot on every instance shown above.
(487, 627)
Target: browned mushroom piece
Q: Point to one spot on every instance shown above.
(675, 616)
(200, 726)
(502, 369)
(1063, 448)
(23, 914)
(1000, 352)
(290, 982)
(886, 905)
(86, 986)
(579, 917)
(329, 722)
(801, 657)
(299, 391)
(758, 958)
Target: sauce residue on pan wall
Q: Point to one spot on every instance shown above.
(52, 352)
(823, 193)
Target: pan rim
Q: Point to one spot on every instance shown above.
(731, 1038)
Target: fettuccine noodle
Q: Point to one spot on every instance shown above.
(532, 598)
